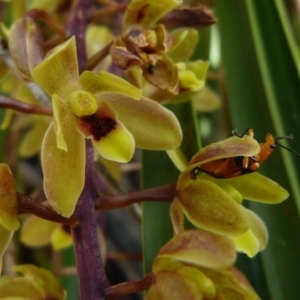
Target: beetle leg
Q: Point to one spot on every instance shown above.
(194, 172)
(245, 162)
(254, 166)
(248, 131)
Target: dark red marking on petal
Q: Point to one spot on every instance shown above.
(141, 14)
(97, 126)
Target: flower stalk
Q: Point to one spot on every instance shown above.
(90, 268)
(127, 288)
(29, 205)
(165, 193)
(11, 103)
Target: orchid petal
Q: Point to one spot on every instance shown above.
(9, 113)
(199, 68)
(60, 239)
(93, 42)
(22, 93)
(192, 75)
(257, 187)
(165, 263)
(206, 99)
(164, 75)
(105, 82)
(63, 171)
(44, 280)
(58, 72)
(189, 81)
(153, 126)
(135, 75)
(204, 285)
(184, 43)
(178, 158)
(36, 232)
(8, 199)
(32, 141)
(226, 186)
(15, 288)
(171, 285)
(109, 136)
(25, 46)
(199, 248)
(47, 5)
(231, 147)
(60, 111)
(247, 243)
(232, 279)
(5, 238)
(152, 294)
(112, 167)
(147, 12)
(177, 216)
(118, 145)
(258, 227)
(123, 58)
(208, 206)
(230, 294)
(256, 238)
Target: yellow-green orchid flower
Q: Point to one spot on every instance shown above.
(37, 232)
(8, 209)
(36, 283)
(101, 107)
(215, 204)
(142, 48)
(197, 264)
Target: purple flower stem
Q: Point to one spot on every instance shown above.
(91, 274)
(77, 26)
(90, 268)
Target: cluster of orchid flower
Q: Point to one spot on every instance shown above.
(91, 104)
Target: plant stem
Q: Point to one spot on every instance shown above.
(126, 288)
(8, 102)
(91, 274)
(77, 26)
(90, 268)
(48, 19)
(29, 205)
(97, 57)
(165, 193)
(107, 11)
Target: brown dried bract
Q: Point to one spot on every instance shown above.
(198, 16)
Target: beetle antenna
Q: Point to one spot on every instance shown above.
(291, 150)
(287, 137)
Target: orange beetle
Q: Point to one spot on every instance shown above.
(240, 165)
